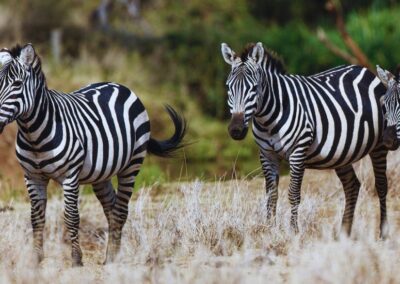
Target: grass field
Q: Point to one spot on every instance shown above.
(216, 233)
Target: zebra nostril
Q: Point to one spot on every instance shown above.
(237, 132)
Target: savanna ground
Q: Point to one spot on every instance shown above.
(216, 232)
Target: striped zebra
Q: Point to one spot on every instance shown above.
(324, 121)
(391, 104)
(84, 137)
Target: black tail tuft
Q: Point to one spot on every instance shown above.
(166, 148)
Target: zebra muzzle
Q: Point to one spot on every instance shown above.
(390, 140)
(237, 129)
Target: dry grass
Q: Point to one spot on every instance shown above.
(217, 233)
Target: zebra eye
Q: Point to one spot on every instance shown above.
(17, 83)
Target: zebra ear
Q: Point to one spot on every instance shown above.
(258, 52)
(227, 53)
(5, 57)
(384, 75)
(27, 54)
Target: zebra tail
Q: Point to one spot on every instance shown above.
(167, 148)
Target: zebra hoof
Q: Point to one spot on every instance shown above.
(294, 228)
(384, 232)
(39, 257)
(76, 263)
(108, 260)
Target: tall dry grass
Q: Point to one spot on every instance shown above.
(217, 233)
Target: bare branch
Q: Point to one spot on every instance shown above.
(334, 48)
(335, 8)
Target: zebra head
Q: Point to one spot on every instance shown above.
(391, 103)
(244, 86)
(16, 83)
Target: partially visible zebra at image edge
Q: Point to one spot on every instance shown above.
(83, 137)
(323, 121)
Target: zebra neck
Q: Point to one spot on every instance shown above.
(38, 114)
(275, 103)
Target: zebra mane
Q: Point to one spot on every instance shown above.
(273, 59)
(397, 73)
(15, 51)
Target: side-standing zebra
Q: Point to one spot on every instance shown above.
(324, 121)
(83, 137)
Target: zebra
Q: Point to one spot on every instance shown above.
(84, 137)
(391, 103)
(324, 121)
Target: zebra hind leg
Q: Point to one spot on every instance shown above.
(378, 158)
(119, 214)
(105, 193)
(351, 187)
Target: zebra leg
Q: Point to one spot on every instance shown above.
(351, 187)
(296, 178)
(105, 193)
(37, 190)
(119, 214)
(270, 166)
(378, 158)
(71, 217)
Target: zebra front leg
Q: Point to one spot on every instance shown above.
(270, 166)
(296, 178)
(37, 190)
(351, 187)
(378, 158)
(71, 217)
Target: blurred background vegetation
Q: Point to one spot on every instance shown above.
(168, 51)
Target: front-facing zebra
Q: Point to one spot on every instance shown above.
(324, 121)
(84, 137)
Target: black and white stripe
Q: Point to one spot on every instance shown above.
(84, 137)
(324, 121)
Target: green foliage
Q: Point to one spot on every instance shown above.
(378, 35)
(195, 47)
(194, 32)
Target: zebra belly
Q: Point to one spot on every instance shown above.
(335, 142)
(108, 155)
(330, 157)
(355, 139)
(39, 164)
(110, 128)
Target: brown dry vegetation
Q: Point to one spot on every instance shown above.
(217, 233)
